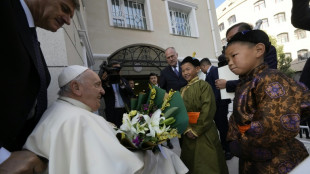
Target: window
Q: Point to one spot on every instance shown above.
(179, 22)
(302, 54)
(133, 14)
(280, 17)
(265, 23)
(300, 34)
(182, 18)
(232, 19)
(287, 55)
(282, 38)
(259, 5)
(221, 26)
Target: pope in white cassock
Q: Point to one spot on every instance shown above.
(77, 141)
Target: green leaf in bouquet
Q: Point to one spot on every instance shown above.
(137, 102)
(159, 98)
(181, 117)
(133, 103)
(142, 99)
(149, 139)
(125, 141)
(169, 121)
(147, 145)
(170, 112)
(180, 114)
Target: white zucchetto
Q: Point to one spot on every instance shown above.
(69, 73)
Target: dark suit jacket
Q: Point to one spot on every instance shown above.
(210, 78)
(270, 58)
(20, 78)
(305, 74)
(301, 14)
(169, 80)
(109, 97)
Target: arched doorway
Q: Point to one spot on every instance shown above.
(138, 61)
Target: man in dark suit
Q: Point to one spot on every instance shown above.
(220, 117)
(171, 76)
(270, 57)
(117, 94)
(25, 76)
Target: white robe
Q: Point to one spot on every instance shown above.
(76, 141)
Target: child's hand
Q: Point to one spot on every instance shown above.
(191, 135)
(220, 83)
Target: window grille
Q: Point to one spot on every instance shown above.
(259, 5)
(232, 19)
(129, 14)
(300, 34)
(179, 22)
(282, 38)
(280, 17)
(221, 27)
(265, 23)
(302, 54)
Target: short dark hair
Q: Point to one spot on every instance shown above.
(253, 37)
(241, 27)
(113, 63)
(192, 60)
(152, 74)
(205, 60)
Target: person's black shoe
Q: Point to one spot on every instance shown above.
(307, 137)
(228, 156)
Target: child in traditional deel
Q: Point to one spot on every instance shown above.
(201, 148)
(267, 109)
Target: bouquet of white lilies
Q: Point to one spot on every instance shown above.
(150, 126)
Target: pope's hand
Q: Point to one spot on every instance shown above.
(22, 162)
(220, 83)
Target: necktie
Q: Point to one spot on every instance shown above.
(176, 71)
(42, 95)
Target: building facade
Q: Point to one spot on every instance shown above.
(136, 32)
(133, 32)
(276, 21)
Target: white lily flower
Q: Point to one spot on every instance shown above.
(135, 119)
(127, 125)
(163, 129)
(136, 127)
(153, 122)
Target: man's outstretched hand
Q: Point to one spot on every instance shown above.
(22, 162)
